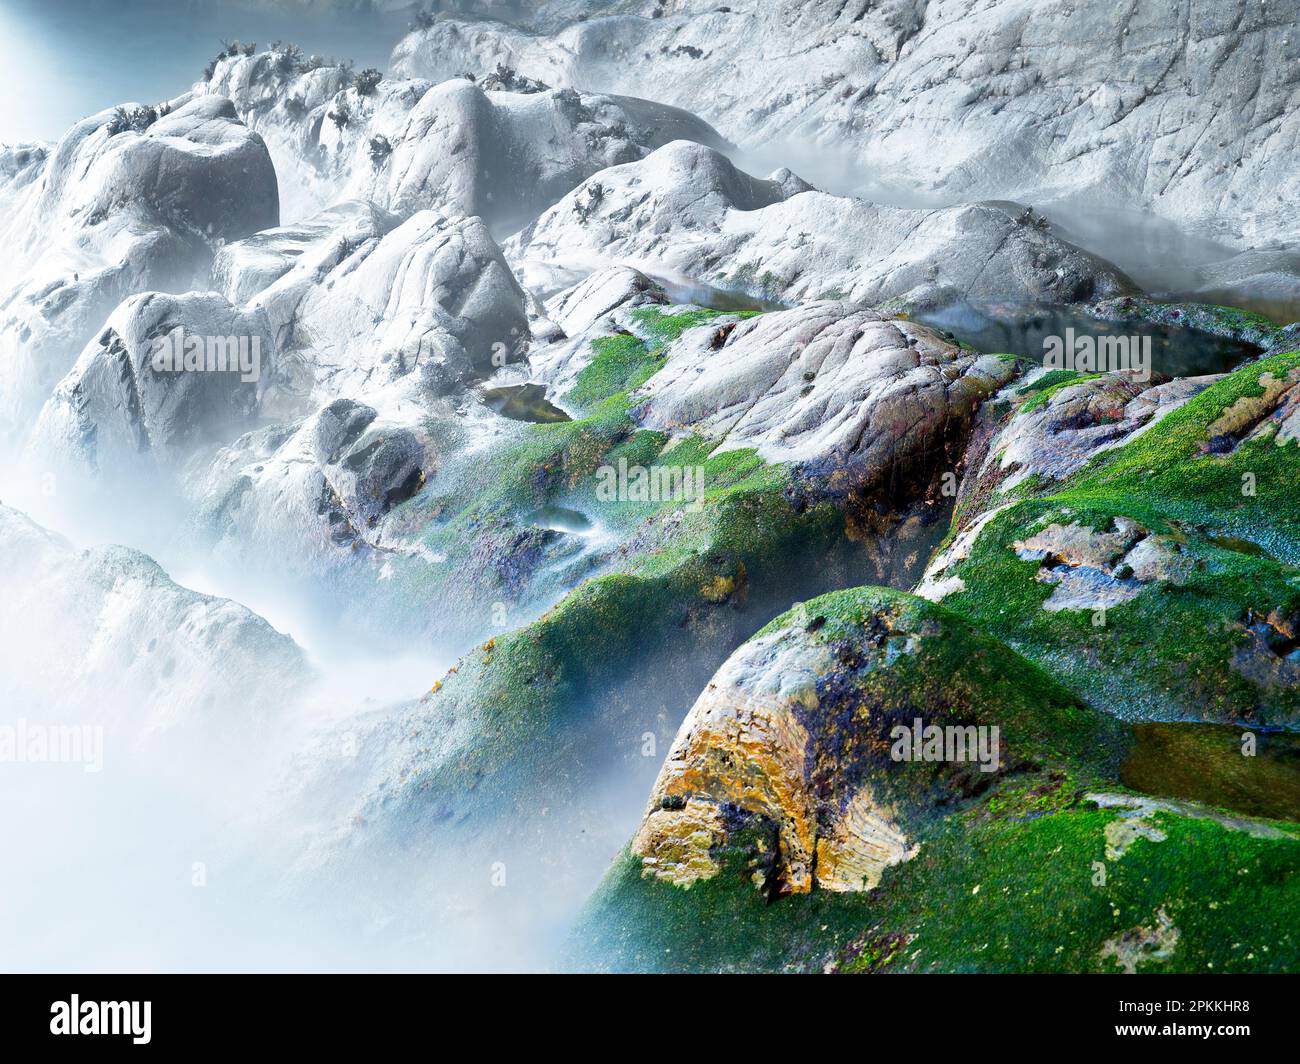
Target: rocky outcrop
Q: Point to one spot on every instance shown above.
(128, 201)
(1160, 521)
(826, 386)
(431, 299)
(789, 766)
(1059, 428)
(687, 211)
(244, 268)
(106, 636)
(959, 102)
(503, 151)
(310, 496)
(575, 310)
(167, 376)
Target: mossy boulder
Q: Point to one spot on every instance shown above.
(831, 739)
(1161, 580)
(1038, 876)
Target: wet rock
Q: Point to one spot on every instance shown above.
(788, 765)
(886, 394)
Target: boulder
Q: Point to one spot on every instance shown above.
(686, 210)
(166, 376)
(128, 201)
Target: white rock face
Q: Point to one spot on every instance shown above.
(112, 214)
(312, 494)
(168, 375)
(20, 165)
(955, 100)
(369, 305)
(375, 323)
(829, 386)
(577, 309)
(687, 210)
(245, 268)
(105, 634)
(412, 144)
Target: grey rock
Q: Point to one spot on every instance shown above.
(686, 210)
(112, 214)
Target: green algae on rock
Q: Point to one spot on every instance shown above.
(790, 755)
(1165, 619)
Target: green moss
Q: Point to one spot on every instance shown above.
(1041, 390)
(1170, 652)
(1021, 883)
(619, 364)
(538, 692)
(939, 666)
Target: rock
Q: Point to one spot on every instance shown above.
(245, 268)
(1057, 430)
(685, 210)
(115, 213)
(955, 102)
(105, 635)
(595, 307)
(577, 309)
(826, 386)
(431, 299)
(168, 375)
(1173, 529)
(412, 145)
(786, 766)
(311, 496)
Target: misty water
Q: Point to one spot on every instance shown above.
(211, 850)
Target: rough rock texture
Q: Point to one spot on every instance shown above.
(432, 297)
(996, 99)
(829, 385)
(742, 762)
(1081, 419)
(686, 210)
(118, 211)
(1098, 570)
(117, 411)
(244, 268)
(1168, 519)
(409, 145)
(107, 630)
(787, 761)
(312, 494)
(577, 309)
(599, 306)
